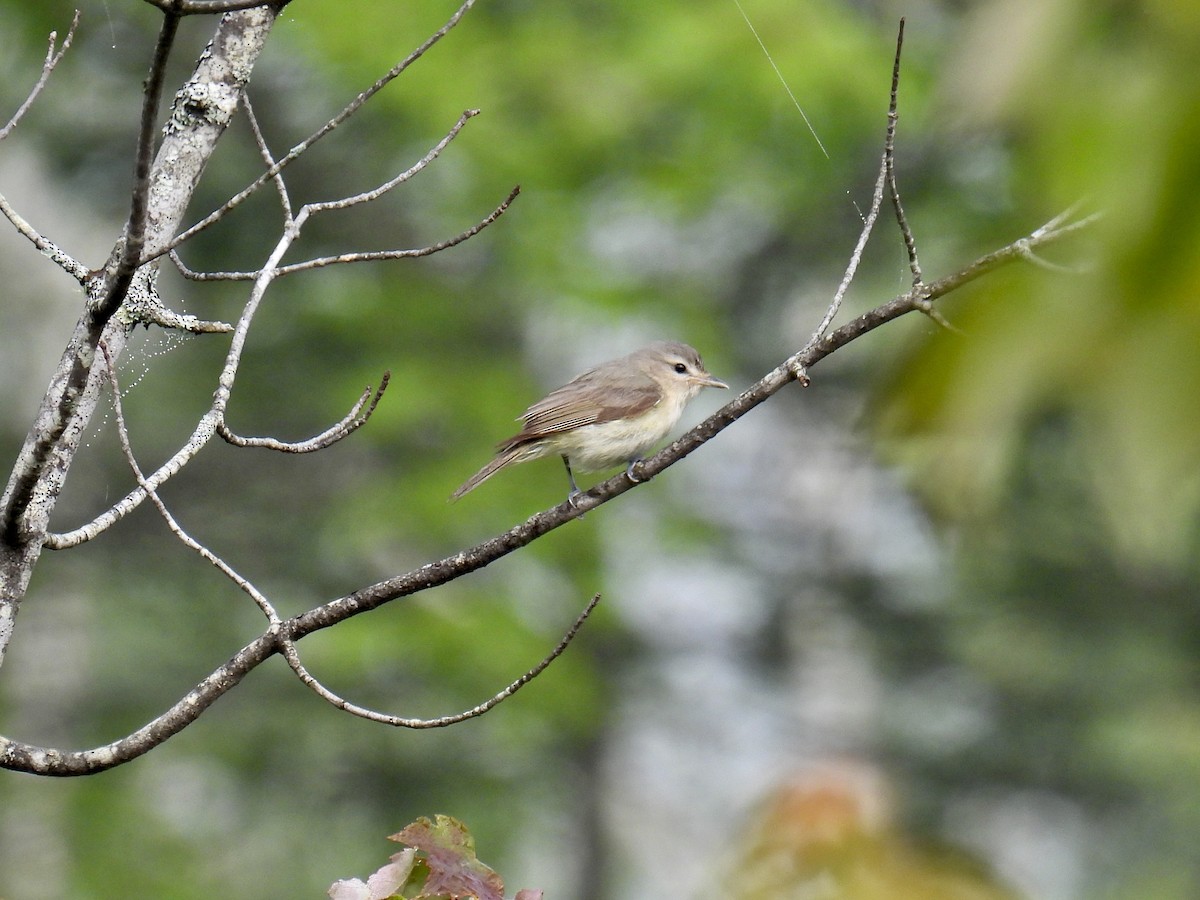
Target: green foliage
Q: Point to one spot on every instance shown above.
(1109, 349)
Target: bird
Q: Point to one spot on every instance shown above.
(608, 415)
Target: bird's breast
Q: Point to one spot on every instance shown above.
(608, 444)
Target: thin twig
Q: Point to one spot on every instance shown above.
(872, 214)
(889, 155)
(355, 419)
(47, 247)
(53, 58)
(361, 256)
(304, 675)
(368, 196)
(265, 152)
(293, 154)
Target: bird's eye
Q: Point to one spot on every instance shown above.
(681, 368)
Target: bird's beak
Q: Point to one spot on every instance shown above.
(707, 380)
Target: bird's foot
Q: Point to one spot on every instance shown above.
(630, 473)
(574, 499)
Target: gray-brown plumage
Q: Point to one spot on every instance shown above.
(609, 415)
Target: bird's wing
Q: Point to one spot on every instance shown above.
(589, 400)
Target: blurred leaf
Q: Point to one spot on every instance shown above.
(449, 851)
(385, 882)
(1111, 349)
(827, 834)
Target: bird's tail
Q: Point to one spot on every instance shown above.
(511, 455)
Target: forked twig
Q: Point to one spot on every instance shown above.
(54, 55)
(889, 156)
(265, 152)
(356, 257)
(297, 151)
(869, 220)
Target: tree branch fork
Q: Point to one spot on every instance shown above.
(133, 266)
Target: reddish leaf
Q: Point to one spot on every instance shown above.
(450, 854)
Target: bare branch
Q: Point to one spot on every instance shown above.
(48, 248)
(293, 658)
(418, 166)
(355, 419)
(293, 154)
(53, 58)
(792, 369)
(855, 258)
(362, 256)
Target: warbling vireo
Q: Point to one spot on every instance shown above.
(609, 415)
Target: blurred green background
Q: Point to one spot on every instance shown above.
(939, 611)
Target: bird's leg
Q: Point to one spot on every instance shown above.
(575, 493)
(629, 470)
